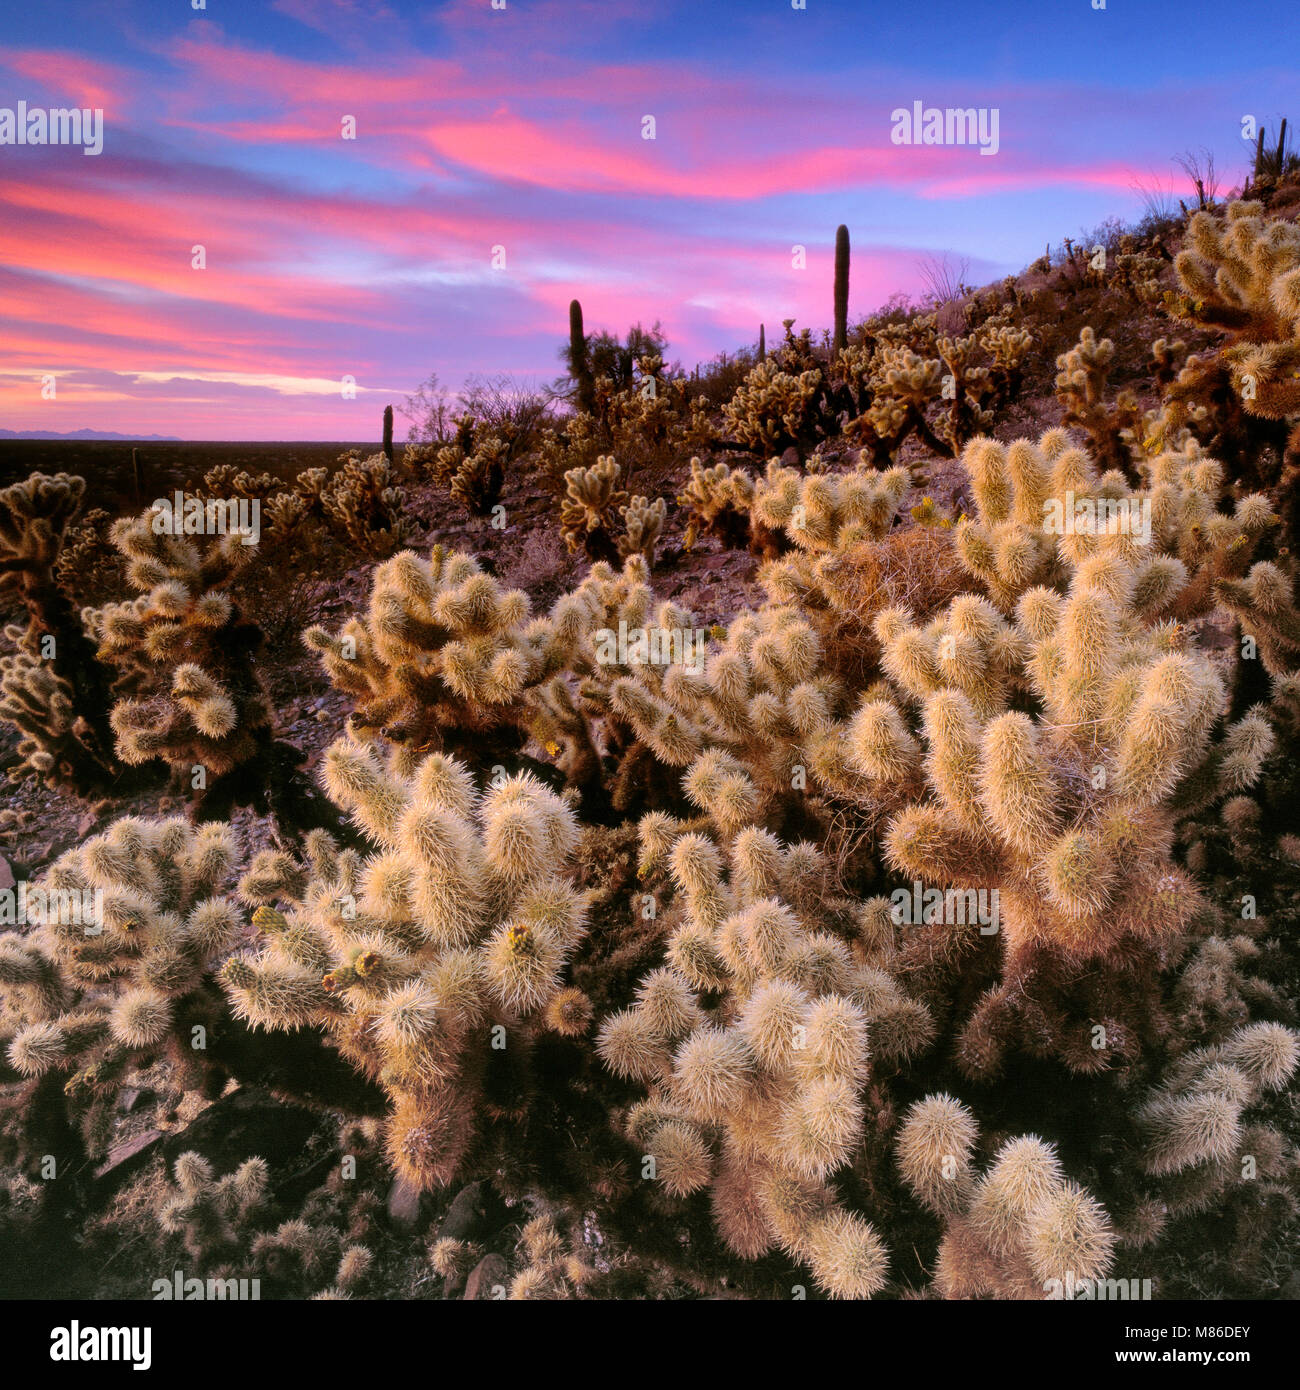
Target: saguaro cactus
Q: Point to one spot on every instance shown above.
(578, 361)
(762, 343)
(841, 288)
(388, 433)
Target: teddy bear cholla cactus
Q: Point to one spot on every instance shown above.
(1068, 814)
(841, 591)
(968, 387)
(755, 697)
(410, 956)
(1041, 509)
(829, 511)
(758, 1096)
(774, 408)
(618, 734)
(592, 499)
(94, 991)
(211, 1214)
(443, 655)
(1196, 1141)
(1021, 1229)
(1081, 389)
(1263, 603)
(643, 523)
(363, 499)
(718, 502)
(1244, 273)
(190, 694)
(52, 690)
(898, 387)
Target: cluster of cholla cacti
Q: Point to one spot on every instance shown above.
(1048, 749)
(188, 691)
(52, 691)
(1240, 274)
(360, 501)
(102, 695)
(924, 927)
(593, 499)
(457, 928)
(927, 384)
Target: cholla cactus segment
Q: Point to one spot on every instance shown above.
(1264, 604)
(1193, 1125)
(458, 925)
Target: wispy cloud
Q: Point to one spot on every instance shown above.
(522, 129)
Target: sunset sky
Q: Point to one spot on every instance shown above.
(522, 128)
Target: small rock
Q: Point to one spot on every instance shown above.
(405, 1205)
(475, 1213)
(125, 1157)
(486, 1278)
(86, 824)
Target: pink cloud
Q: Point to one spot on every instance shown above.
(83, 81)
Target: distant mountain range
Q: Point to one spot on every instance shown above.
(92, 434)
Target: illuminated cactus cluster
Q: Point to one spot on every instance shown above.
(52, 690)
(1081, 382)
(829, 511)
(189, 693)
(1069, 815)
(757, 1096)
(717, 501)
(902, 384)
(444, 653)
(774, 408)
(1241, 274)
(966, 386)
(363, 499)
(1020, 1229)
(593, 498)
(1041, 508)
(113, 974)
(643, 523)
(410, 958)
